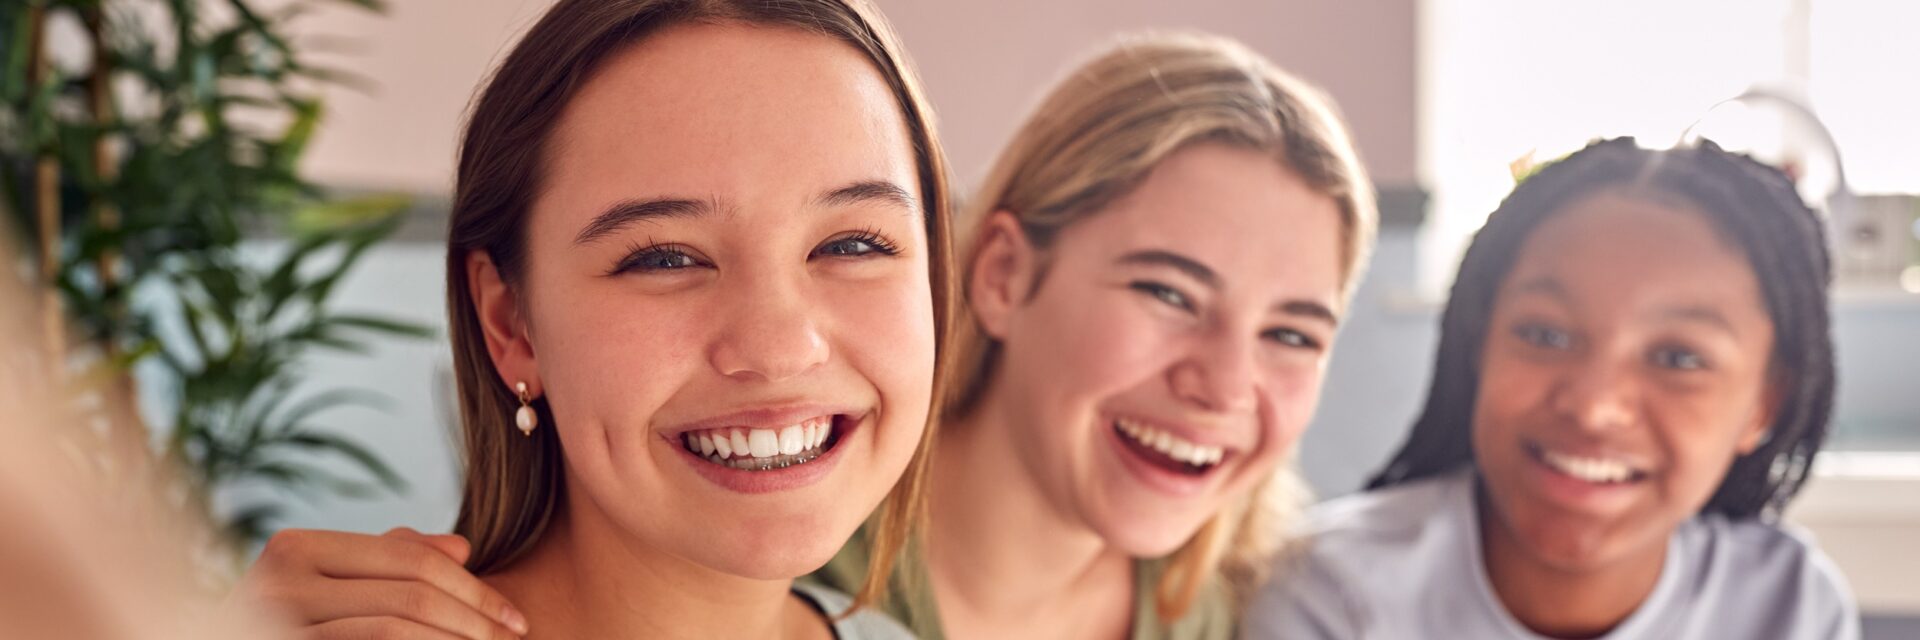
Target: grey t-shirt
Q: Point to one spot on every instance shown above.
(867, 624)
(1405, 562)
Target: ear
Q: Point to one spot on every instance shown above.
(501, 324)
(1757, 434)
(1001, 274)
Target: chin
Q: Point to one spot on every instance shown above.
(771, 546)
(1150, 536)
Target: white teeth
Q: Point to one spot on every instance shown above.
(762, 449)
(790, 440)
(763, 443)
(1173, 446)
(1599, 470)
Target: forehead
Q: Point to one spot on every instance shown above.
(1241, 212)
(746, 114)
(1632, 249)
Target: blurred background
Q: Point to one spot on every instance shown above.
(1444, 98)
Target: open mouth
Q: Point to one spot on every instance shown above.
(1167, 451)
(1595, 470)
(765, 449)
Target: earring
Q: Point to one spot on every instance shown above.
(525, 418)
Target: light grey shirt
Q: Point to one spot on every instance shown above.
(1405, 562)
(868, 624)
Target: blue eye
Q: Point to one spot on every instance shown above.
(856, 245)
(1163, 293)
(1292, 338)
(1677, 358)
(654, 259)
(1544, 336)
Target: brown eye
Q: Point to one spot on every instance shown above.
(1543, 336)
(1677, 358)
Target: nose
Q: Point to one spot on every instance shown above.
(768, 331)
(1218, 376)
(1597, 395)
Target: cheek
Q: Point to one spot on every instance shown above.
(1508, 389)
(608, 359)
(1294, 394)
(884, 328)
(1701, 437)
(1094, 343)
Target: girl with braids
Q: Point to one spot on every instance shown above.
(1634, 375)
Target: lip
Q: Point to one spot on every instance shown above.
(1573, 493)
(1213, 437)
(772, 480)
(772, 416)
(1166, 481)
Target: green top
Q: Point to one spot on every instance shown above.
(910, 597)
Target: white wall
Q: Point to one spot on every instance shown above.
(985, 63)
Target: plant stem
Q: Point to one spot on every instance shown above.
(46, 185)
(127, 430)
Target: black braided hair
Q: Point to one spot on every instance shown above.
(1750, 204)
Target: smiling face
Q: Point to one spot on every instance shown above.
(1172, 351)
(1625, 367)
(729, 247)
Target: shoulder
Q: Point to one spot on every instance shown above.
(1778, 564)
(865, 624)
(1329, 580)
(1394, 520)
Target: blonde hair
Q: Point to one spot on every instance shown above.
(514, 484)
(1093, 140)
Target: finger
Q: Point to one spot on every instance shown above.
(412, 601)
(352, 556)
(453, 546)
(374, 628)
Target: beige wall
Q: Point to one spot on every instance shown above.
(985, 64)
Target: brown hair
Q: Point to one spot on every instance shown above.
(1093, 140)
(514, 484)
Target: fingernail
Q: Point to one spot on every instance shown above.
(513, 620)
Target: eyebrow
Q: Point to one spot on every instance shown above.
(1700, 315)
(1548, 286)
(1544, 285)
(868, 191)
(1206, 276)
(628, 212)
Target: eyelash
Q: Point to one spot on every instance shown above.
(1174, 298)
(642, 258)
(870, 237)
(1165, 294)
(1532, 334)
(639, 255)
(1659, 358)
(1292, 338)
(1664, 356)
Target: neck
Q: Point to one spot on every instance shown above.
(588, 578)
(1002, 557)
(1558, 602)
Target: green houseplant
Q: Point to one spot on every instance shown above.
(153, 181)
